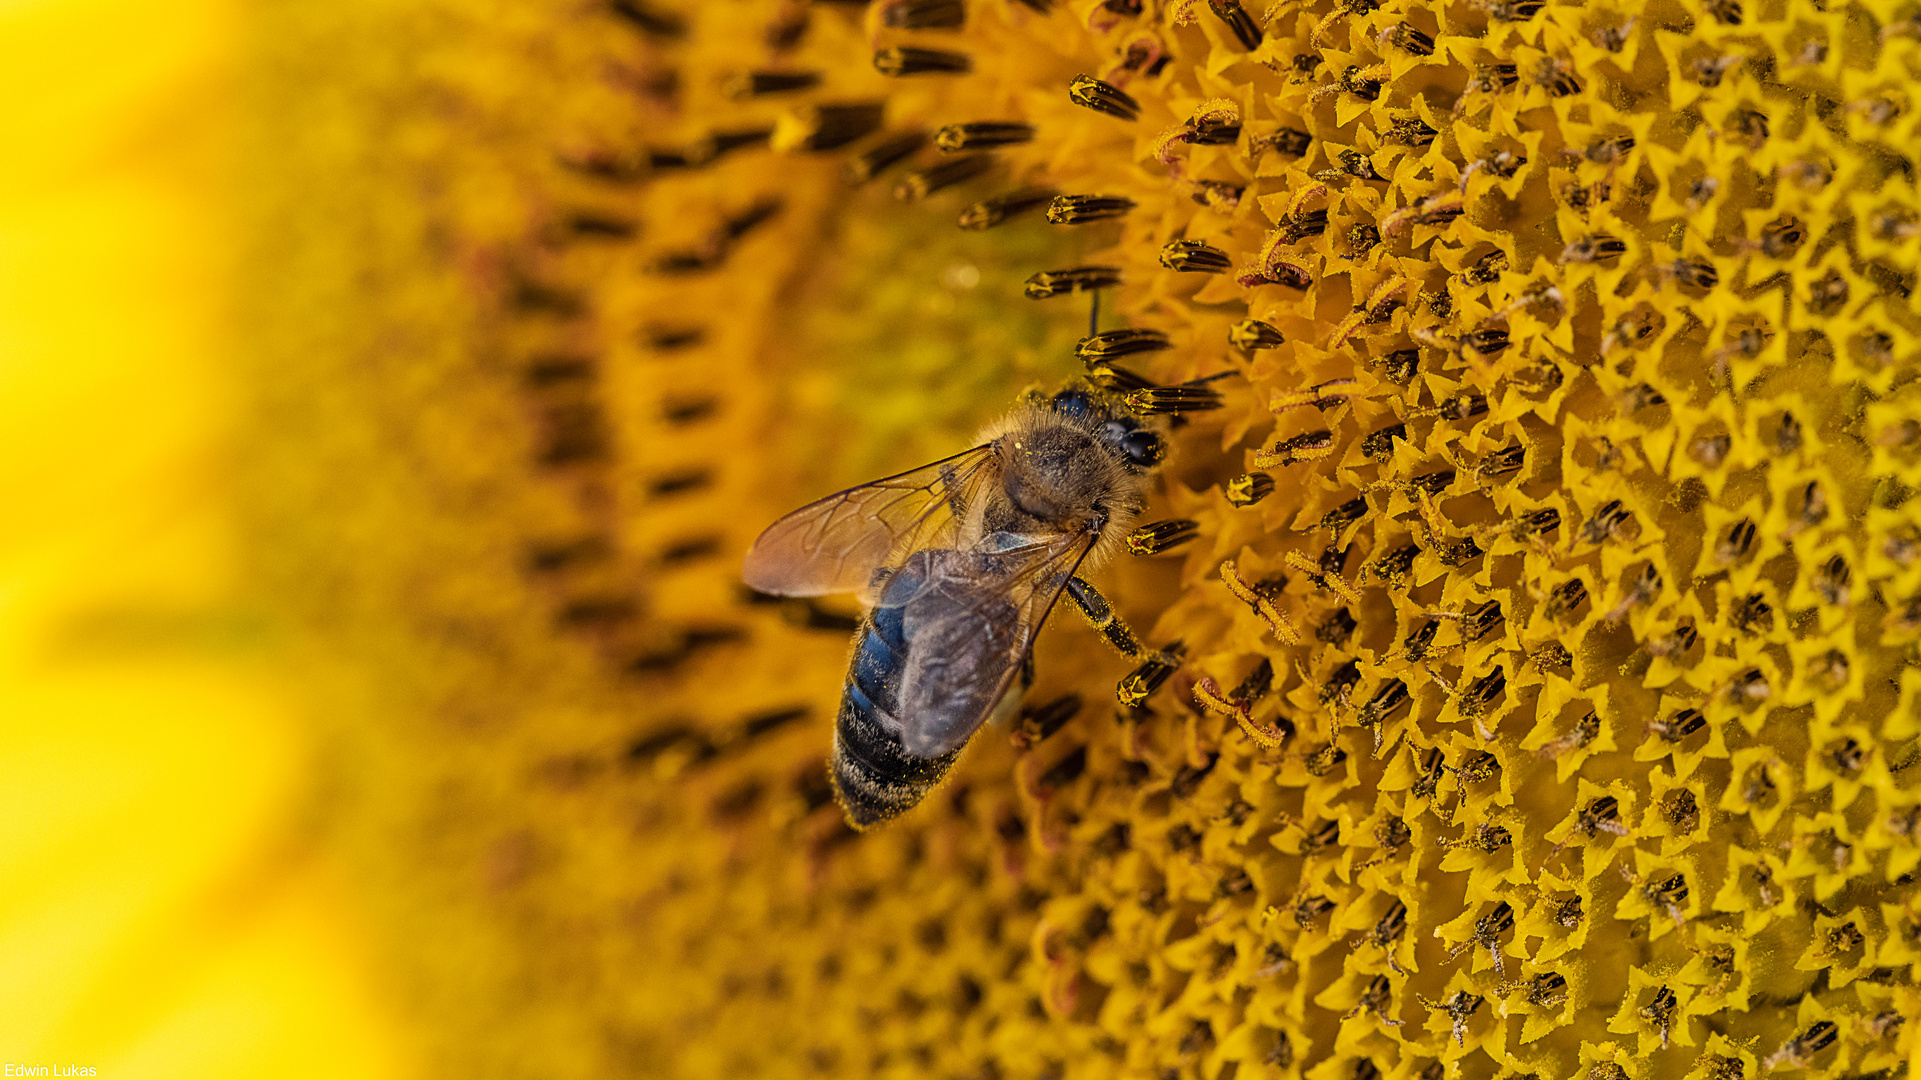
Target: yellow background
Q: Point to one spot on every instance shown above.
(166, 904)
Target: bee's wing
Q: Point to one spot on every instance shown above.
(836, 544)
(971, 624)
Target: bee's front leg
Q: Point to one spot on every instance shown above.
(1113, 629)
(1156, 666)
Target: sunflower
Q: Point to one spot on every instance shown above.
(1543, 562)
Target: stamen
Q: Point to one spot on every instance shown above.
(1081, 209)
(991, 212)
(902, 60)
(924, 182)
(753, 84)
(1051, 283)
(1102, 97)
(826, 127)
(1194, 257)
(1308, 446)
(876, 160)
(924, 14)
(1152, 539)
(1248, 489)
(1115, 344)
(1251, 334)
(1246, 30)
(985, 135)
(1173, 400)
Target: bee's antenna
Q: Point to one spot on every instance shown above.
(1094, 313)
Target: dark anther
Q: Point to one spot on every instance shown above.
(1251, 334)
(1391, 695)
(1405, 37)
(1434, 482)
(902, 60)
(1400, 365)
(1212, 131)
(1140, 683)
(1081, 209)
(1356, 164)
(1248, 489)
(1102, 97)
(1605, 522)
(1194, 257)
(1379, 444)
(1063, 772)
(872, 162)
(1486, 342)
(1252, 689)
(1538, 523)
(1159, 536)
(1307, 446)
(1308, 223)
(1479, 622)
(1780, 238)
(984, 135)
(1593, 249)
(1411, 131)
(924, 14)
(991, 212)
(1115, 344)
(1696, 272)
(1050, 283)
(649, 19)
(1396, 563)
(1173, 400)
(1290, 142)
(1566, 597)
(1483, 691)
(1506, 460)
(1680, 725)
(924, 182)
(1336, 628)
(753, 84)
(1238, 20)
(826, 127)
(1344, 515)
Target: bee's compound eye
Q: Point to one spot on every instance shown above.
(1143, 449)
(1073, 403)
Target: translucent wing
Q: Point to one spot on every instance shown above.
(970, 620)
(836, 544)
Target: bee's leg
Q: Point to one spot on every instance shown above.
(1113, 629)
(1156, 667)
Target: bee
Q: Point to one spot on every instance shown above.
(959, 563)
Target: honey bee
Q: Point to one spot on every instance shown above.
(959, 563)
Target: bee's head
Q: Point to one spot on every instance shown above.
(1138, 446)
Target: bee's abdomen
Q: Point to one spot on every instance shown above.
(874, 775)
